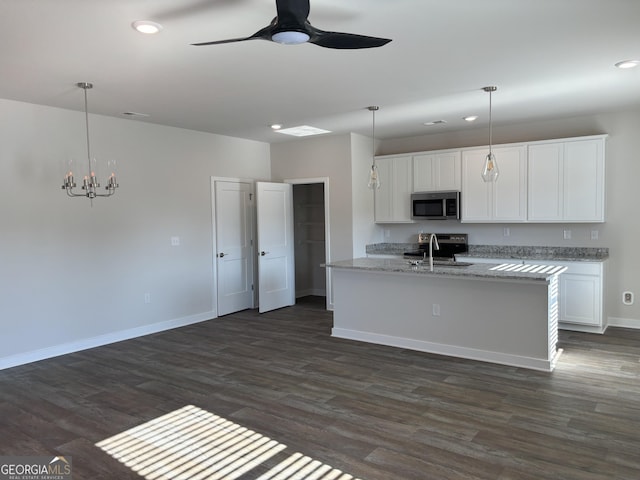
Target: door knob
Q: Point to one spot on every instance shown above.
(263, 253)
(221, 255)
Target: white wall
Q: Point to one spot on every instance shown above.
(324, 156)
(72, 274)
(621, 231)
(365, 231)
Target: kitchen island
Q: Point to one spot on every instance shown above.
(503, 314)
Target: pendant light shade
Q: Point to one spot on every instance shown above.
(374, 179)
(490, 169)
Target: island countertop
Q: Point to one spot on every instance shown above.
(510, 272)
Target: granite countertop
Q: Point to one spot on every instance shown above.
(567, 254)
(535, 273)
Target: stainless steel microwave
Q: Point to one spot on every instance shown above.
(435, 205)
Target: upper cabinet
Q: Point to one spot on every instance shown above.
(436, 171)
(495, 202)
(540, 182)
(392, 201)
(566, 180)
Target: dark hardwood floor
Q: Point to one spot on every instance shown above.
(373, 412)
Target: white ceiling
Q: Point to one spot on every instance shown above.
(549, 59)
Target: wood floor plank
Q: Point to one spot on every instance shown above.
(372, 411)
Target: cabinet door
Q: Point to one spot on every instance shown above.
(510, 189)
(423, 178)
(436, 172)
(476, 194)
(545, 180)
(579, 299)
(584, 180)
(502, 201)
(383, 207)
(402, 188)
(392, 200)
(447, 171)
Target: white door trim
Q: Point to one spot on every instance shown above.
(327, 228)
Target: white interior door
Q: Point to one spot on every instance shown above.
(276, 281)
(234, 257)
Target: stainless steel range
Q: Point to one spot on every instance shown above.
(450, 244)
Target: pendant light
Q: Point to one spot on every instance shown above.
(90, 182)
(374, 179)
(490, 170)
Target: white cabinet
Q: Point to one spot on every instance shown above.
(494, 202)
(392, 201)
(566, 180)
(580, 293)
(437, 171)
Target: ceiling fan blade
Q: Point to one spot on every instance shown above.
(218, 42)
(292, 12)
(262, 34)
(345, 40)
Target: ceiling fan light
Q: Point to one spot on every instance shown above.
(291, 37)
(628, 64)
(146, 26)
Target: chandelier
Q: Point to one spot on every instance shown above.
(90, 183)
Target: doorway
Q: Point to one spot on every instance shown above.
(311, 234)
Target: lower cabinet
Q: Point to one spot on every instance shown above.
(580, 292)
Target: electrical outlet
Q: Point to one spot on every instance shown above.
(175, 241)
(387, 233)
(506, 232)
(567, 234)
(627, 298)
(147, 298)
(595, 234)
(436, 309)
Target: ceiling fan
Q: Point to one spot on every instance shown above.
(291, 27)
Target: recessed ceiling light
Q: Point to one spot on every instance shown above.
(276, 126)
(146, 26)
(434, 122)
(628, 64)
(470, 118)
(303, 131)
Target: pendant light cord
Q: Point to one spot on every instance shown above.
(86, 121)
(490, 124)
(373, 137)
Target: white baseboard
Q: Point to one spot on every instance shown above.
(448, 350)
(84, 344)
(624, 322)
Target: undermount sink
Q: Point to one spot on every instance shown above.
(438, 263)
(450, 263)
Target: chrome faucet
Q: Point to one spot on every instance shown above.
(432, 237)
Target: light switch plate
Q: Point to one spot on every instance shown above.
(175, 241)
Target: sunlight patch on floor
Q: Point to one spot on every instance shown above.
(192, 443)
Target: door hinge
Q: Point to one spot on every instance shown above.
(252, 288)
(251, 196)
